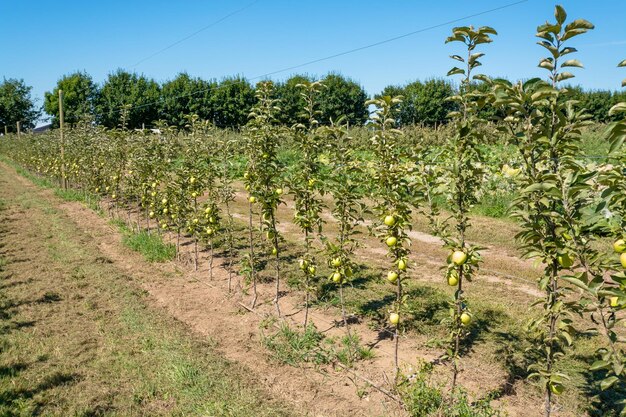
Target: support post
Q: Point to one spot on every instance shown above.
(62, 143)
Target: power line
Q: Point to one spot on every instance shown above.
(210, 25)
(350, 51)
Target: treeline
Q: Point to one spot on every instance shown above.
(135, 100)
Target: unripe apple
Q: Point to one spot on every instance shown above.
(195, 221)
(459, 257)
(153, 193)
(556, 388)
(613, 301)
(466, 318)
(107, 188)
(303, 264)
(402, 265)
(151, 214)
(348, 271)
(192, 180)
(279, 191)
(164, 201)
(194, 194)
(274, 251)
(207, 210)
(622, 259)
(391, 241)
(165, 210)
(565, 260)
(252, 199)
(390, 220)
(453, 280)
(394, 319)
(337, 277)
(113, 196)
(392, 276)
(209, 231)
(154, 184)
(246, 175)
(336, 262)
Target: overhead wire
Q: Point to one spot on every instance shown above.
(343, 53)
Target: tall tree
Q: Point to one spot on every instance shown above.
(185, 95)
(340, 97)
(232, 101)
(129, 97)
(423, 102)
(79, 95)
(291, 101)
(17, 105)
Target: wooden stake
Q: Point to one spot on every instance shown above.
(19, 131)
(61, 126)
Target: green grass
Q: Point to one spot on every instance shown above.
(150, 245)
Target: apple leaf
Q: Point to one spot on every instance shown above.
(608, 382)
(572, 63)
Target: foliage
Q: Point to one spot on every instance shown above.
(79, 95)
(184, 96)
(554, 189)
(342, 98)
(17, 105)
(425, 103)
(231, 102)
(127, 98)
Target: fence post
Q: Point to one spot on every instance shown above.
(62, 126)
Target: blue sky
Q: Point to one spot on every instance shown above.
(42, 40)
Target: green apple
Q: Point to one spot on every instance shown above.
(402, 265)
(279, 191)
(394, 319)
(303, 264)
(390, 220)
(252, 199)
(459, 257)
(391, 241)
(453, 280)
(622, 259)
(466, 318)
(337, 277)
(619, 246)
(151, 214)
(614, 301)
(565, 260)
(556, 388)
(392, 276)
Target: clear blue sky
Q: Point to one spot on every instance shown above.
(42, 40)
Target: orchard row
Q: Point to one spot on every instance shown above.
(185, 183)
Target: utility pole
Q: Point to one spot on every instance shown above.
(62, 125)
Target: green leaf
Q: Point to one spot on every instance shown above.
(560, 14)
(597, 365)
(608, 382)
(579, 24)
(455, 71)
(622, 64)
(564, 76)
(457, 57)
(618, 108)
(572, 63)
